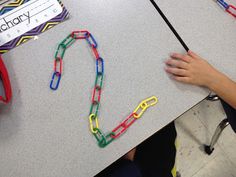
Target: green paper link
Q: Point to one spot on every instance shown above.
(108, 140)
(96, 110)
(67, 41)
(99, 76)
(61, 51)
(99, 135)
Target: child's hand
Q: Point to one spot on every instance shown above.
(191, 69)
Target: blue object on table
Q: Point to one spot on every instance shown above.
(223, 4)
(93, 42)
(55, 74)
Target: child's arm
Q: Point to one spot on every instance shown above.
(192, 69)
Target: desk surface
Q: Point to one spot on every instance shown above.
(45, 133)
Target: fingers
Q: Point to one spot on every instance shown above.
(182, 79)
(183, 68)
(192, 54)
(177, 63)
(185, 58)
(179, 74)
(176, 71)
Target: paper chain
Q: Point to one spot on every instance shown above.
(228, 7)
(102, 139)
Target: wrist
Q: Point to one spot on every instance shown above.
(216, 80)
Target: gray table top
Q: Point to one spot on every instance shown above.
(46, 134)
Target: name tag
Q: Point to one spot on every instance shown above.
(26, 17)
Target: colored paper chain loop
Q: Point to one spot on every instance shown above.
(60, 52)
(58, 61)
(83, 34)
(231, 10)
(142, 107)
(56, 78)
(223, 4)
(91, 40)
(93, 120)
(102, 139)
(100, 66)
(95, 52)
(120, 129)
(227, 7)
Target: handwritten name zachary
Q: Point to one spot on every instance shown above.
(6, 24)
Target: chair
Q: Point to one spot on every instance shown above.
(223, 124)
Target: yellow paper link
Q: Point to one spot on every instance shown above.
(149, 101)
(92, 119)
(142, 107)
(139, 109)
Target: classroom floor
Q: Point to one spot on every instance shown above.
(195, 128)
